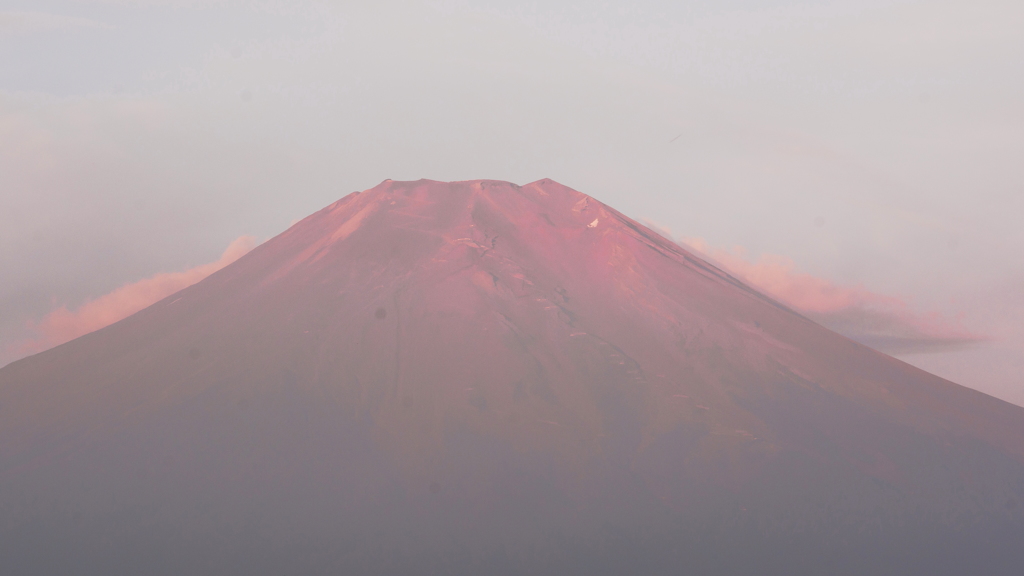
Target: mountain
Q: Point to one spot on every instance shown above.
(484, 378)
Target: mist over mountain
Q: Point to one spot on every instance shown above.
(484, 378)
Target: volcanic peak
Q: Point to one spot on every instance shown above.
(547, 216)
(485, 366)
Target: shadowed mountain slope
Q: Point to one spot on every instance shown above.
(483, 378)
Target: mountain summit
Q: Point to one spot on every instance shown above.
(484, 378)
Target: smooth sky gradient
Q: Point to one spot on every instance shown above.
(871, 146)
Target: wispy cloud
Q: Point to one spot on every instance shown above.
(886, 323)
(62, 324)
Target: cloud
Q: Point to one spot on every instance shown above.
(28, 22)
(62, 325)
(896, 329)
(885, 323)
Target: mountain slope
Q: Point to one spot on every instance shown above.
(477, 377)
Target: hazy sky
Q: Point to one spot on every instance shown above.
(871, 149)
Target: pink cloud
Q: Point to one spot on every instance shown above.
(62, 325)
(886, 323)
(777, 276)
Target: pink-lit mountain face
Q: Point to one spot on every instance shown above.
(483, 378)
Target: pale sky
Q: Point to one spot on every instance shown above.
(871, 148)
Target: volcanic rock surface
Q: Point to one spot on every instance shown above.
(482, 378)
